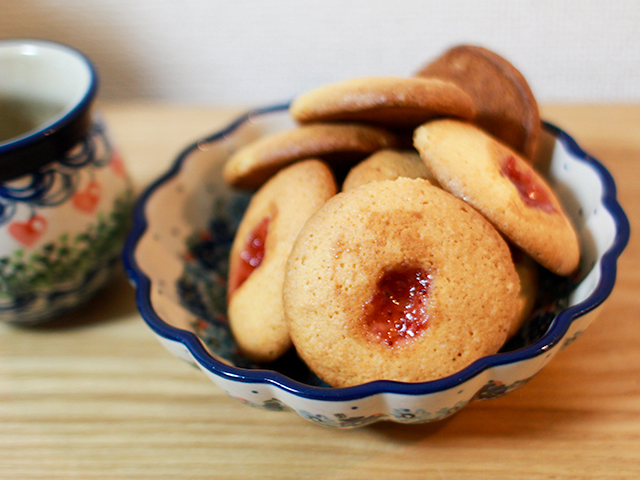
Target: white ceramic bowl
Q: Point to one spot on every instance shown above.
(177, 257)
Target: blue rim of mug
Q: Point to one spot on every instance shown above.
(52, 140)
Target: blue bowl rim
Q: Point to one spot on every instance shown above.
(552, 337)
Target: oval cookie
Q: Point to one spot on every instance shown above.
(259, 253)
(387, 165)
(345, 144)
(397, 280)
(495, 180)
(393, 102)
(527, 270)
(506, 106)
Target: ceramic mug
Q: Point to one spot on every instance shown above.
(65, 196)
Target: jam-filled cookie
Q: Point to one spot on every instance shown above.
(393, 102)
(506, 106)
(387, 165)
(339, 144)
(506, 189)
(397, 280)
(259, 253)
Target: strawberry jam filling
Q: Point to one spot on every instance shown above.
(251, 256)
(532, 192)
(398, 310)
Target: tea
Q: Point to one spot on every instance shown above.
(19, 116)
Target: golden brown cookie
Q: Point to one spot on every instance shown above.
(255, 163)
(387, 165)
(506, 106)
(494, 179)
(393, 102)
(528, 275)
(259, 253)
(397, 280)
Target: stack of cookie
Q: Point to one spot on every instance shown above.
(397, 231)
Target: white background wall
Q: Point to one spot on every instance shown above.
(253, 52)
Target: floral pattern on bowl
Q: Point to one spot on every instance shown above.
(188, 217)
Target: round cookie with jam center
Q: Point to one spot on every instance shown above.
(259, 253)
(397, 280)
(340, 145)
(517, 200)
(393, 102)
(388, 164)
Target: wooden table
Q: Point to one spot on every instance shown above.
(95, 396)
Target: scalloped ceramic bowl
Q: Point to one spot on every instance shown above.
(177, 257)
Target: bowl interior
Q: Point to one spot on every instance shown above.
(189, 217)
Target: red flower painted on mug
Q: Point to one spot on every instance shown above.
(29, 232)
(87, 200)
(117, 165)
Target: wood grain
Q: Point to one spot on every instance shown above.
(95, 396)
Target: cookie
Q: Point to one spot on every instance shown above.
(474, 166)
(506, 106)
(528, 274)
(341, 144)
(392, 102)
(397, 280)
(259, 253)
(387, 165)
